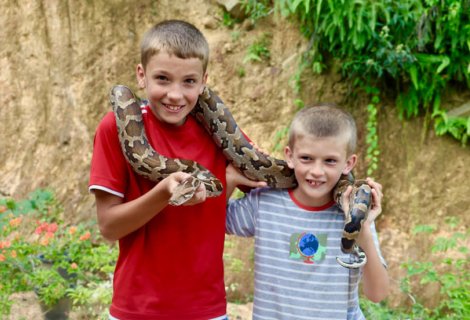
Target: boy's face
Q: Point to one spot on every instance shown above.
(318, 164)
(172, 86)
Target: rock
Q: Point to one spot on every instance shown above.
(233, 7)
(210, 23)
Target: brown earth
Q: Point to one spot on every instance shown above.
(60, 58)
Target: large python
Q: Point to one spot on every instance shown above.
(211, 112)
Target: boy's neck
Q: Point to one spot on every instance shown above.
(312, 204)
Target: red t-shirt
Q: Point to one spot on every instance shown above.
(172, 267)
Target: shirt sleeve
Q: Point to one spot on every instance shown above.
(108, 170)
(242, 215)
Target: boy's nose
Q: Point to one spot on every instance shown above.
(174, 93)
(316, 170)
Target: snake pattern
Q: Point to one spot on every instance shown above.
(211, 112)
(360, 201)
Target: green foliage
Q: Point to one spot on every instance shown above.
(416, 47)
(237, 194)
(279, 138)
(39, 252)
(451, 274)
(259, 50)
(257, 9)
(450, 271)
(228, 20)
(92, 299)
(241, 72)
(372, 137)
(281, 134)
(40, 201)
(235, 35)
(457, 127)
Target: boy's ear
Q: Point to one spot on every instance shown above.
(140, 75)
(350, 163)
(288, 157)
(204, 81)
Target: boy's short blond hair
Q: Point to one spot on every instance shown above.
(324, 120)
(175, 37)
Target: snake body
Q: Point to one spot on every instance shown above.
(360, 200)
(211, 112)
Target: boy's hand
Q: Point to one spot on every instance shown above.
(377, 195)
(175, 179)
(198, 197)
(236, 178)
(376, 205)
(259, 149)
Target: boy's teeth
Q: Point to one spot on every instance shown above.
(174, 108)
(315, 183)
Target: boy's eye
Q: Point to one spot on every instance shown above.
(190, 81)
(305, 158)
(330, 161)
(161, 78)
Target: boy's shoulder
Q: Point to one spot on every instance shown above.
(267, 191)
(108, 120)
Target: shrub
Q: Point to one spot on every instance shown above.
(39, 252)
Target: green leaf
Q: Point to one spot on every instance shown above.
(428, 58)
(294, 4)
(414, 76)
(445, 62)
(424, 229)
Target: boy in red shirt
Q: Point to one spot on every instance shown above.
(170, 261)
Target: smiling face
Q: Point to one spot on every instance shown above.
(318, 164)
(172, 86)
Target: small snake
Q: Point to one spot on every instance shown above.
(360, 201)
(211, 112)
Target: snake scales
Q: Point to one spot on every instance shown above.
(218, 121)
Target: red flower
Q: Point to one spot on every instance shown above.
(72, 229)
(15, 222)
(52, 227)
(85, 236)
(5, 244)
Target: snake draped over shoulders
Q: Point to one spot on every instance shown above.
(216, 118)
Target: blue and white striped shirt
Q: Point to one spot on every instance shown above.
(296, 273)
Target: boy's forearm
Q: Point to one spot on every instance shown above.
(375, 277)
(118, 219)
(234, 178)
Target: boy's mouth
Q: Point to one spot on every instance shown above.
(315, 183)
(172, 107)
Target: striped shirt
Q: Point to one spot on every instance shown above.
(296, 272)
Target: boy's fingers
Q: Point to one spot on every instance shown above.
(345, 199)
(259, 149)
(255, 184)
(373, 184)
(348, 191)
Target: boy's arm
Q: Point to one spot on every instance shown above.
(235, 178)
(375, 277)
(240, 215)
(117, 218)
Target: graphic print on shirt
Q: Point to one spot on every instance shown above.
(306, 246)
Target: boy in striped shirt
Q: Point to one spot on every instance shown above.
(298, 231)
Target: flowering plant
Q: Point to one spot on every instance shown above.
(39, 252)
